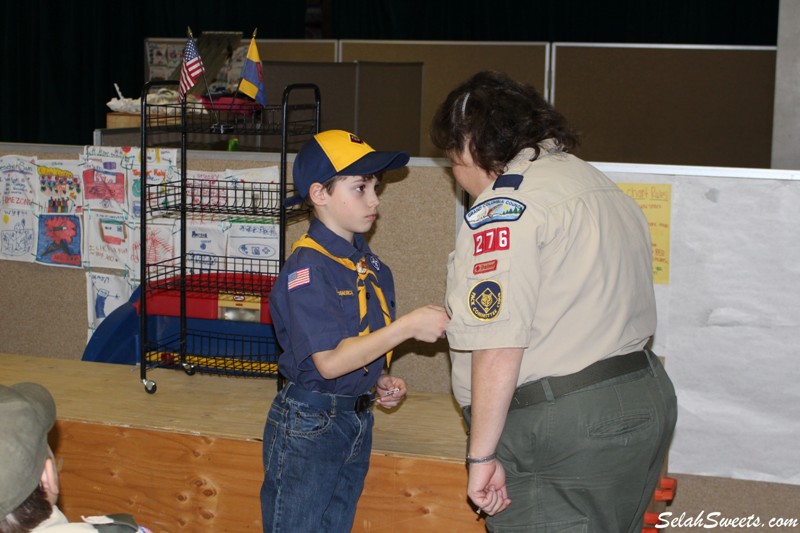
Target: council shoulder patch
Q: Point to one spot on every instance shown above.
(494, 210)
(485, 300)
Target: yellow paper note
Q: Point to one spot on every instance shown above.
(655, 199)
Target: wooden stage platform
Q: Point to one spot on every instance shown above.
(188, 458)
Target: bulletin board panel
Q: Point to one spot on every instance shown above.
(297, 50)
(354, 98)
(390, 123)
(683, 105)
(446, 64)
(728, 320)
(336, 82)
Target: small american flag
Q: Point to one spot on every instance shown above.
(298, 278)
(191, 69)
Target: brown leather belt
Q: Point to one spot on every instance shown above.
(533, 392)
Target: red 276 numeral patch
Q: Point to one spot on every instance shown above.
(491, 240)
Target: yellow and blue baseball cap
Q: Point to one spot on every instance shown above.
(338, 153)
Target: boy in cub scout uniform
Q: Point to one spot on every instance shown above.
(333, 309)
(551, 297)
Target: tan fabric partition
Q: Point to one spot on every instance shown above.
(447, 64)
(668, 105)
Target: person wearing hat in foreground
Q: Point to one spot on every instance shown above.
(29, 485)
(333, 309)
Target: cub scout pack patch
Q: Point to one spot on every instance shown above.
(299, 278)
(494, 210)
(485, 300)
(491, 240)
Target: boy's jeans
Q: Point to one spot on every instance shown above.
(315, 462)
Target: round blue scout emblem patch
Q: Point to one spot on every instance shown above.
(485, 299)
(376, 264)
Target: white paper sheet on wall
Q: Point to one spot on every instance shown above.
(104, 293)
(59, 187)
(59, 240)
(729, 325)
(108, 240)
(18, 228)
(205, 247)
(254, 245)
(261, 184)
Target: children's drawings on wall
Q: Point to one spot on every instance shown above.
(163, 59)
(60, 240)
(104, 188)
(156, 176)
(108, 241)
(17, 174)
(205, 247)
(259, 183)
(104, 293)
(160, 241)
(86, 213)
(17, 235)
(59, 187)
(251, 243)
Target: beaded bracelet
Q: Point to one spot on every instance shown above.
(479, 460)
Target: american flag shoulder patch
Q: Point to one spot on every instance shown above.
(299, 278)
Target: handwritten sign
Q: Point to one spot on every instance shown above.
(655, 199)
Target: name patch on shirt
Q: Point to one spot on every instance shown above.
(491, 240)
(494, 210)
(299, 278)
(485, 300)
(486, 266)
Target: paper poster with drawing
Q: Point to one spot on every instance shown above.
(160, 247)
(17, 176)
(108, 241)
(59, 187)
(156, 176)
(59, 240)
(161, 237)
(263, 184)
(17, 234)
(205, 247)
(254, 245)
(206, 188)
(104, 293)
(104, 188)
(124, 157)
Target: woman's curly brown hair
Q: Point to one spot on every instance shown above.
(495, 117)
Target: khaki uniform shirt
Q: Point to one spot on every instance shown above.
(555, 259)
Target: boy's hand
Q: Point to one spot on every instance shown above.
(390, 391)
(430, 322)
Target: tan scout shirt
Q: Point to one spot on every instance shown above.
(555, 259)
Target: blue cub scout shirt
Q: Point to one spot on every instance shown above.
(314, 306)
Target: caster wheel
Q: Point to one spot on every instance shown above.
(150, 386)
